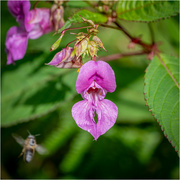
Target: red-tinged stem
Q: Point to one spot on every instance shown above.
(169, 72)
(146, 46)
(70, 42)
(68, 29)
(120, 55)
(36, 4)
(119, 27)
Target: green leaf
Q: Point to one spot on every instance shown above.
(146, 11)
(64, 130)
(162, 95)
(76, 18)
(77, 4)
(31, 89)
(78, 148)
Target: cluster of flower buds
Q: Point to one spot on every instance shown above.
(32, 24)
(85, 44)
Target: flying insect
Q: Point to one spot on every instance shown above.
(29, 147)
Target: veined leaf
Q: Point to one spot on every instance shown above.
(146, 11)
(76, 18)
(162, 95)
(33, 89)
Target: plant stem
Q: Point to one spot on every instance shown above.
(144, 45)
(68, 29)
(70, 42)
(36, 4)
(120, 55)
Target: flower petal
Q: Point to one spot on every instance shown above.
(107, 113)
(16, 44)
(37, 22)
(99, 95)
(99, 71)
(104, 70)
(18, 8)
(83, 114)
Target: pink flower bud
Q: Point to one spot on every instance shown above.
(57, 13)
(66, 59)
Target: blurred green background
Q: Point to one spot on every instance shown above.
(39, 98)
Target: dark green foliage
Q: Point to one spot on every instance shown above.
(146, 11)
(39, 98)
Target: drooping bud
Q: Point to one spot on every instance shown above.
(81, 46)
(57, 12)
(57, 43)
(92, 48)
(98, 42)
(66, 59)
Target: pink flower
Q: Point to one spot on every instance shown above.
(37, 22)
(95, 79)
(19, 9)
(16, 44)
(33, 24)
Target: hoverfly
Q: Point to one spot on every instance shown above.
(29, 147)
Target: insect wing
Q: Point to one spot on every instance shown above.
(19, 139)
(41, 150)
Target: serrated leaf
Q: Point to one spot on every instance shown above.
(162, 95)
(146, 11)
(76, 18)
(33, 89)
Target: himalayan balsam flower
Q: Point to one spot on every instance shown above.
(37, 22)
(16, 44)
(19, 9)
(32, 24)
(95, 79)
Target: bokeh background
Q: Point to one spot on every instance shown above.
(135, 147)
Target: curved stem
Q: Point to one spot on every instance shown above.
(68, 29)
(70, 42)
(144, 45)
(36, 4)
(120, 55)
